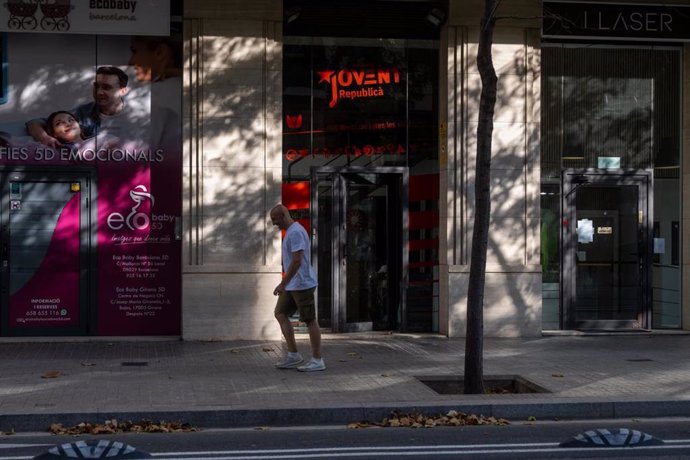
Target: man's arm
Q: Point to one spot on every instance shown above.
(37, 129)
(291, 271)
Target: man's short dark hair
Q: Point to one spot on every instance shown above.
(112, 70)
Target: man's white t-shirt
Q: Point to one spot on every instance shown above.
(297, 239)
(128, 126)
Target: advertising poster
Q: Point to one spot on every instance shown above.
(90, 169)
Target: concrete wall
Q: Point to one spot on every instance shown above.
(232, 168)
(513, 279)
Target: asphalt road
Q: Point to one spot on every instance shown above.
(522, 440)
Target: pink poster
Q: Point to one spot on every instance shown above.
(90, 150)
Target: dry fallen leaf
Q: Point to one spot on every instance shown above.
(51, 375)
(113, 426)
(531, 418)
(419, 420)
(359, 425)
(556, 375)
(87, 364)
(267, 349)
(234, 351)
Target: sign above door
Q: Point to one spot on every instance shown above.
(605, 21)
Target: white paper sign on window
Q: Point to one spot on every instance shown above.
(659, 246)
(585, 231)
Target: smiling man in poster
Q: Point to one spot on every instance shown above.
(105, 111)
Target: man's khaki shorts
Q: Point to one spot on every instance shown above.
(291, 301)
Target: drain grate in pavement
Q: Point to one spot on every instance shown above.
(135, 363)
(639, 360)
(496, 384)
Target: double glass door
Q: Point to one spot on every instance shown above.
(360, 246)
(607, 254)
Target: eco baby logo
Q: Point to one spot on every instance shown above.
(355, 84)
(135, 220)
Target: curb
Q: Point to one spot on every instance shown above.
(248, 418)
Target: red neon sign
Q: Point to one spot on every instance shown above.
(349, 150)
(359, 83)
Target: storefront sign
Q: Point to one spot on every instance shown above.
(356, 84)
(594, 20)
(118, 17)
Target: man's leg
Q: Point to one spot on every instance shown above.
(288, 331)
(314, 338)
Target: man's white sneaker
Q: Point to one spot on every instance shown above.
(313, 365)
(290, 362)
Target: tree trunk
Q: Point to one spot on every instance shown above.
(474, 341)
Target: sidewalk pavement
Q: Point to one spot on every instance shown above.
(235, 384)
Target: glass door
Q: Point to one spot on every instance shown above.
(45, 247)
(606, 250)
(360, 248)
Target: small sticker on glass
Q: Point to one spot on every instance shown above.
(15, 190)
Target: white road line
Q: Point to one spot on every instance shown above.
(375, 452)
(17, 446)
(368, 448)
(458, 450)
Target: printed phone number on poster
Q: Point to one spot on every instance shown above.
(140, 275)
(62, 312)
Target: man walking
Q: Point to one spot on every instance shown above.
(296, 292)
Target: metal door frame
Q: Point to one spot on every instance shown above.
(571, 180)
(88, 242)
(338, 320)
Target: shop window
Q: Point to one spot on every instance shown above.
(369, 103)
(604, 103)
(615, 108)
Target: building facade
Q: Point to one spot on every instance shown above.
(361, 117)
(341, 114)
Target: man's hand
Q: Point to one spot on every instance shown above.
(50, 141)
(279, 289)
(38, 132)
